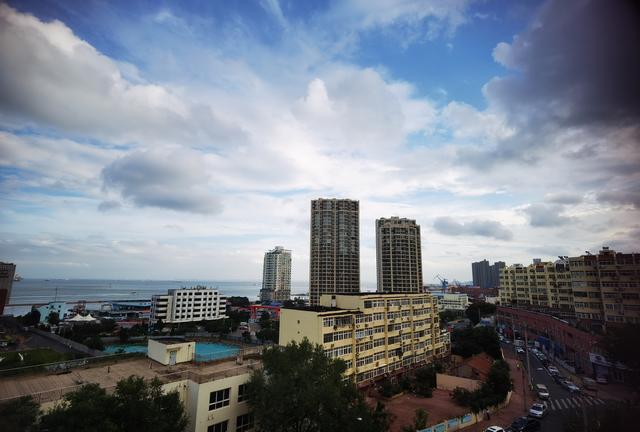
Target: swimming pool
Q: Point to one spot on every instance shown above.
(204, 350)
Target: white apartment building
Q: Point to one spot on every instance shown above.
(456, 302)
(276, 276)
(188, 305)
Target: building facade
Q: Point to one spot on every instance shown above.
(398, 255)
(455, 302)
(188, 305)
(7, 273)
(606, 287)
(335, 248)
(541, 284)
(376, 334)
(276, 276)
(486, 275)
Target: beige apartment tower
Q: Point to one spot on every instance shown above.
(398, 255)
(335, 248)
(541, 284)
(606, 287)
(276, 276)
(375, 334)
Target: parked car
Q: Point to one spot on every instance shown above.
(588, 383)
(494, 429)
(538, 410)
(519, 350)
(602, 380)
(553, 370)
(543, 391)
(524, 424)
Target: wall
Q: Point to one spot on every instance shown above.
(450, 382)
(160, 352)
(295, 325)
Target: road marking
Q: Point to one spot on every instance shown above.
(561, 402)
(570, 403)
(587, 400)
(600, 401)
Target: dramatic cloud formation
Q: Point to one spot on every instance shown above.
(483, 228)
(197, 134)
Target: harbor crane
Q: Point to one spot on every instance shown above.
(443, 282)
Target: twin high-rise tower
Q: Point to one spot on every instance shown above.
(335, 251)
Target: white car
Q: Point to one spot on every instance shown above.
(572, 387)
(538, 410)
(543, 391)
(494, 429)
(553, 370)
(519, 350)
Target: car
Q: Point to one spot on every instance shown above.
(558, 378)
(494, 429)
(519, 350)
(602, 380)
(543, 391)
(538, 410)
(524, 424)
(569, 385)
(553, 370)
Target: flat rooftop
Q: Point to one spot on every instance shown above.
(48, 387)
(171, 341)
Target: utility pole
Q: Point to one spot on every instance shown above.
(526, 346)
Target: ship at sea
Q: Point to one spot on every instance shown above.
(17, 278)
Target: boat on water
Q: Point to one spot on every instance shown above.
(17, 278)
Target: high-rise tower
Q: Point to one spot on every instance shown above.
(335, 247)
(276, 275)
(399, 255)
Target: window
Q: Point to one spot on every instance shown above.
(219, 427)
(242, 392)
(219, 399)
(244, 422)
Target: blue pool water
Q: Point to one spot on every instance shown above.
(204, 350)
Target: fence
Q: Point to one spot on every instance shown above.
(466, 420)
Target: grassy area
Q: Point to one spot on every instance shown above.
(31, 358)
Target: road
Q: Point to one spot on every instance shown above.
(562, 404)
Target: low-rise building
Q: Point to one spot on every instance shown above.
(7, 275)
(455, 302)
(188, 305)
(214, 394)
(376, 334)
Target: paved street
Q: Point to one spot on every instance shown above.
(562, 404)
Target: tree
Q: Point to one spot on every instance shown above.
(419, 421)
(94, 342)
(479, 309)
(468, 342)
(238, 301)
(449, 315)
(53, 318)
(300, 389)
(32, 318)
(135, 405)
(492, 392)
(621, 344)
(19, 415)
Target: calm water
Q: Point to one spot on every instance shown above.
(42, 291)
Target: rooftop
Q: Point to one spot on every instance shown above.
(48, 387)
(171, 340)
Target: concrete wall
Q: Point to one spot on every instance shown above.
(450, 382)
(295, 325)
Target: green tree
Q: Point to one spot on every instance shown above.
(449, 315)
(94, 342)
(32, 318)
(238, 301)
(621, 344)
(53, 318)
(300, 389)
(135, 405)
(471, 341)
(419, 421)
(479, 309)
(19, 415)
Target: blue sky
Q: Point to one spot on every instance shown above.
(183, 139)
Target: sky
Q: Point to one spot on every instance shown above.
(182, 140)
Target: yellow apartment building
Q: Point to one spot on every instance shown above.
(545, 284)
(606, 287)
(376, 334)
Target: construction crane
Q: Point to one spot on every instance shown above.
(443, 281)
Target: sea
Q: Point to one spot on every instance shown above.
(28, 292)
